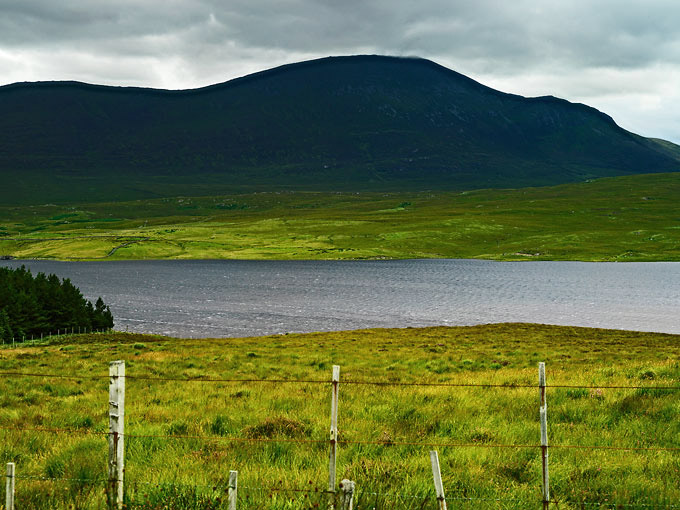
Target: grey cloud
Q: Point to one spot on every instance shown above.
(39, 23)
(580, 32)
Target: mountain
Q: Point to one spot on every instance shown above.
(338, 123)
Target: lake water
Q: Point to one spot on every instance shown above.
(244, 298)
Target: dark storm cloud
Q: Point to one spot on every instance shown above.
(620, 54)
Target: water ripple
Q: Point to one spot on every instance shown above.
(243, 298)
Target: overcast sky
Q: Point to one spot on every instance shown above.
(620, 56)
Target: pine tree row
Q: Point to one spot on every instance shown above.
(30, 306)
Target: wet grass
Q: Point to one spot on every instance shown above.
(281, 422)
(617, 219)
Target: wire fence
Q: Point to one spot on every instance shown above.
(462, 497)
(47, 337)
(210, 379)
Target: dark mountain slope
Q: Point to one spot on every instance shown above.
(364, 122)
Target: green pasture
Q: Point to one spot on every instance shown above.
(185, 436)
(633, 218)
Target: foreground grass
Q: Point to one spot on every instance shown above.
(619, 219)
(190, 471)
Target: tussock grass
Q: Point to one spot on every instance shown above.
(190, 472)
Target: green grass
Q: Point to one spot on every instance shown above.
(191, 473)
(616, 219)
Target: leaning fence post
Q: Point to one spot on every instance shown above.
(437, 475)
(116, 434)
(9, 491)
(543, 411)
(334, 436)
(232, 491)
(347, 494)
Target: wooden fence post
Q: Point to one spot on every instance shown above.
(347, 494)
(233, 487)
(116, 434)
(9, 493)
(437, 475)
(334, 437)
(543, 412)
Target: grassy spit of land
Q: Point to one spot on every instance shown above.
(190, 472)
(617, 219)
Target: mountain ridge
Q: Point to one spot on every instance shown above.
(288, 68)
(348, 123)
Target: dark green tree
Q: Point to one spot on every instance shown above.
(30, 306)
(102, 317)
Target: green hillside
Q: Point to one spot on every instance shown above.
(634, 218)
(364, 123)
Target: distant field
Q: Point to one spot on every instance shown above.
(615, 219)
(184, 437)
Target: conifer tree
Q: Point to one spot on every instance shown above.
(31, 306)
(5, 328)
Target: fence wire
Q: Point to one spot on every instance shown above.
(624, 505)
(210, 379)
(60, 479)
(390, 496)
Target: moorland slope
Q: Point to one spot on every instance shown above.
(343, 123)
(631, 218)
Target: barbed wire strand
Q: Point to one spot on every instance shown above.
(58, 478)
(394, 495)
(627, 505)
(222, 438)
(52, 376)
(594, 387)
(420, 496)
(285, 489)
(209, 379)
(506, 385)
(483, 499)
(218, 380)
(57, 430)
(214, 486)
(393, 443)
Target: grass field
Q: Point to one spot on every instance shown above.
(190, 469)
(619, 219)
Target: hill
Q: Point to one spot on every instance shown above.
(343, 123)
